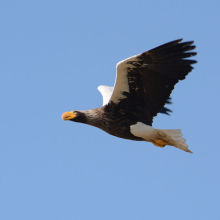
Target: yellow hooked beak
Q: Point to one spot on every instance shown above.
(68, 115)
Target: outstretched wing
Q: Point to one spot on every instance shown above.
(106, 92)
(144, 82)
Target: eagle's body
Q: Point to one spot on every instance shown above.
(120, 127)
(143, 86)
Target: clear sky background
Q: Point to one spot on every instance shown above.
(53, 56)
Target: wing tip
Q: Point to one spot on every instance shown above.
(99, 88)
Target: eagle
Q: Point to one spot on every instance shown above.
(142, 87)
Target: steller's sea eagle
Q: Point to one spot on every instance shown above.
(142, 87)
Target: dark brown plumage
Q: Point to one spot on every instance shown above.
(143, 86)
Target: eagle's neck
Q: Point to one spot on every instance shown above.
(93, 117)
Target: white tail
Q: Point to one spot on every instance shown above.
(160, 138)
(174, 137)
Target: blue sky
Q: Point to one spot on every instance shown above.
(54, 55)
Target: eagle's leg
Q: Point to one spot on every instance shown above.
(159, 143)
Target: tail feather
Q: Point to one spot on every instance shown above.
(174, 137)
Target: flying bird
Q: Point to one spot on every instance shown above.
(142, 87)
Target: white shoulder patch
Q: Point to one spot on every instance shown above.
(115, 94)
(121, 81)
(106, 92)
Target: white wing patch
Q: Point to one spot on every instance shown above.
(106, 92)
(115, 94)
(121, 81)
